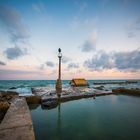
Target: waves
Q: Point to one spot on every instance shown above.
(24, 86)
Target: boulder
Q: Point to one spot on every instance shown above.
(12, 93)
(5, 99)
(33, 99)
(2, 114)
(7, 93)
(99, 88)
(4, 105)
(7, 96)
(127, 91)
(13, 88)
(49, 103)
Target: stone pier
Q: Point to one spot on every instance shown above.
(17, 123)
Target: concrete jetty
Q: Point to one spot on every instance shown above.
(75, 97)
(116, 82)
(17, 123)
(51, 100)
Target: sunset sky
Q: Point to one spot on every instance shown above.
(100, 39)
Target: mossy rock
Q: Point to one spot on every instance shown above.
(127, 91)
(33, 99)
(7, 95)
(4, 105)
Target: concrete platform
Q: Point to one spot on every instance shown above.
(69, 97)
(17, 123)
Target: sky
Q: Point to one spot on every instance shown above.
(99, 39)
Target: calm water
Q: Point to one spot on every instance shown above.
(105, 118)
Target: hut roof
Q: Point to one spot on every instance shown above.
(79, 82)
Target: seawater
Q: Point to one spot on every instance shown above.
(112, 117)
(24, 86)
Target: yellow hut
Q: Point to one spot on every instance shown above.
(78, 82)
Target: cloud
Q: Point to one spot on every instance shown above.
(14, 24)
(65, 59)
(87, 46)
(99, 62)
(6, 71)
(50, 64)
(2, 63)
(128, 61)
(90, 44)
(18, 32)
(42, 66)
(73, 65)
(15, 52)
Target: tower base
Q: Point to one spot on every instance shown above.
(58, 87)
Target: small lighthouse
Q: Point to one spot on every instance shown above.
(58, 85)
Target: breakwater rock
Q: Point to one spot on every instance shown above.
(33, 99)
(5, 101)
(117, 82)
(127, 91)
(5, 98)
(50, 103)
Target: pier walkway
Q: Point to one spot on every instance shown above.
(17, 123)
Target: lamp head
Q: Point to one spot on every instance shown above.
(59, 53)
(59, 50)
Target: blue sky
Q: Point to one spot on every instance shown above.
(100, 39)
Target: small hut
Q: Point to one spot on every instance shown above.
(78, 82)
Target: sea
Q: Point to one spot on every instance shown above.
(23, 87)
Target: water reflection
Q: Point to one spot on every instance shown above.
(33, 106)
(59, 122)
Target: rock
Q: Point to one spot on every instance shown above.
(4, 105)
(13, 88)
(52, 93)
(99, 88)
(5, 93)
(33, 99)
(49, 104)
(33, 90)
(7, 96)
(36, 90)
(117, 90)
(101, 83)
(2, 114)
(5, 99)
(127, 91)
(12, 93)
